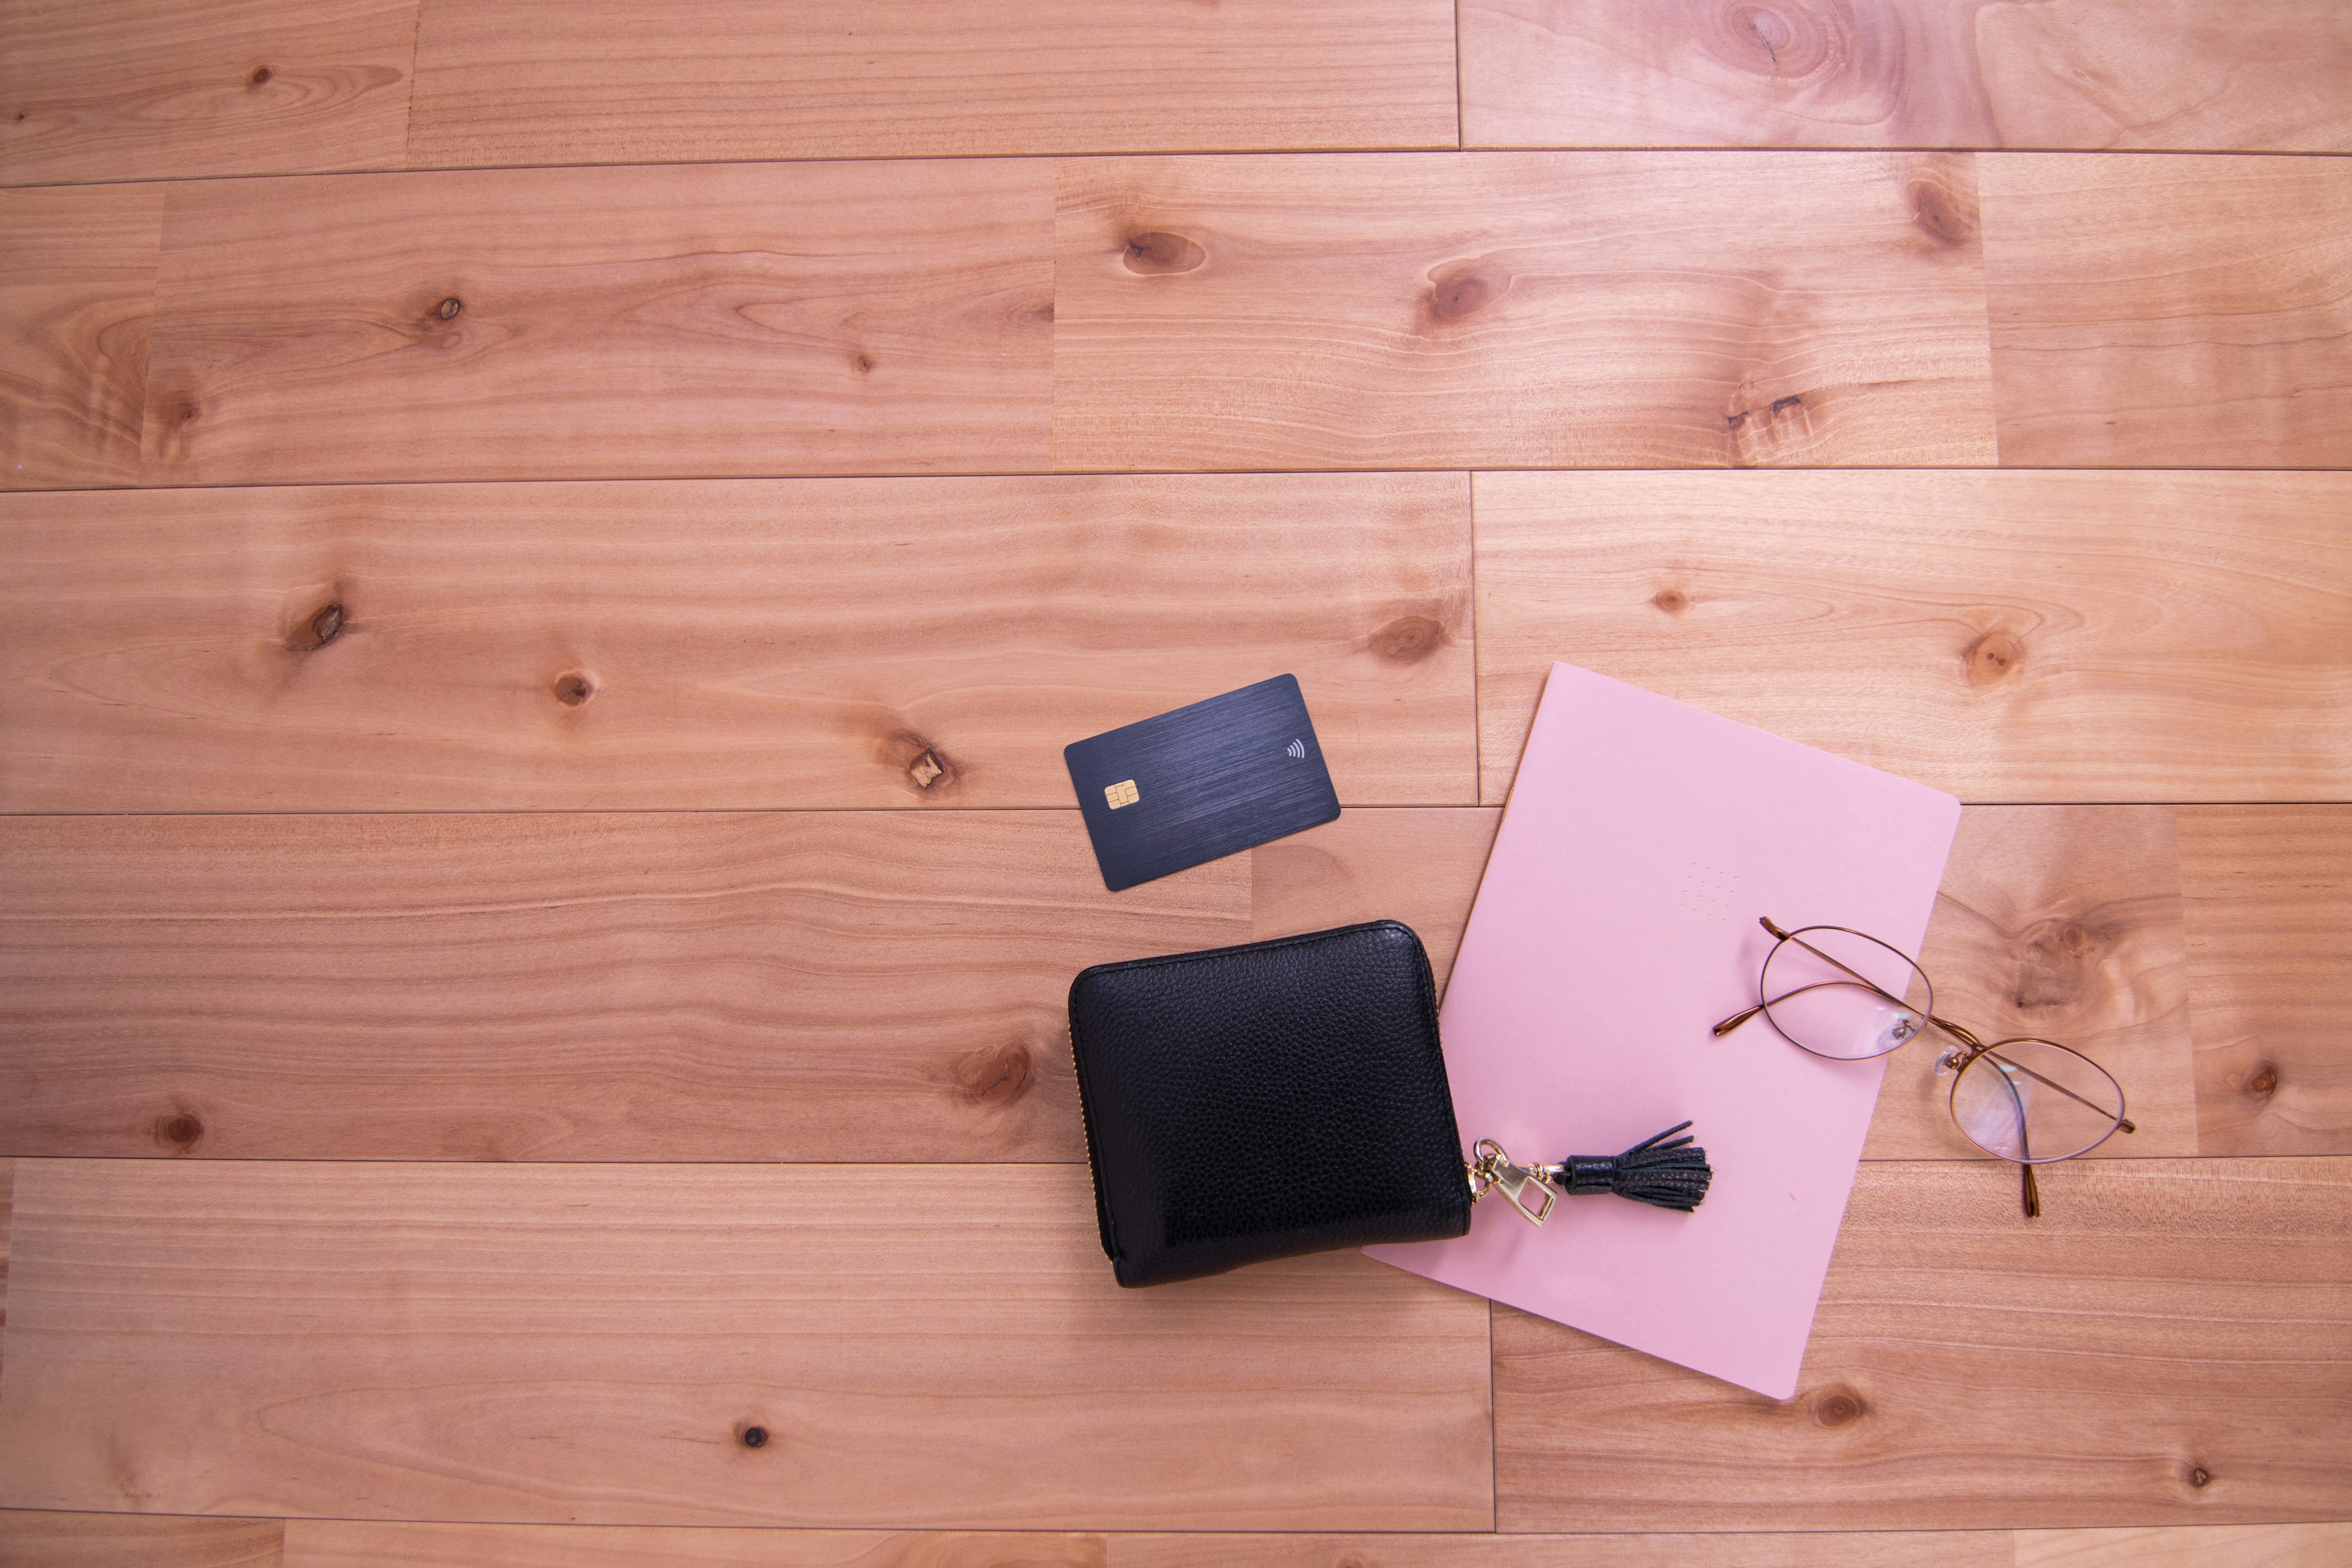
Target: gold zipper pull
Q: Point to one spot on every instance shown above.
(1524, 1187)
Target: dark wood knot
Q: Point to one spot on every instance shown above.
(927, 769)
(1157, 252)
(182, 1131)
(1672, 601)
(1838, 1408)
(755, 1436)
(260, 77)
(1992, 657)
(1465, 288)
(2262, 1082)
(1941, 212)
(997, 1074)
(862, 363)
(325, 624)
(2199, 1478)
(448, 308)
(1409, 639)
(574, 688)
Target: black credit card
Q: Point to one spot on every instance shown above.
(1202, 781)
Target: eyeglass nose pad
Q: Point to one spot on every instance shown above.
(1949, 1061)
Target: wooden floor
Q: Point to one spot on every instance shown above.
(552, 547)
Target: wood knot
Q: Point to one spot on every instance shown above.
(1465, 288)
(1789, 404)
(1157, 252)
(1941, 212)
(2262, 1082)
(182, 410)
(1992, 657)
(325, 624)
(2199, 1478)
(927, 769)
(997, 1074)
(180, 1131)
(754, 1436)
(448, 308)
(260, 77)
(1409, 639)
(1838, 1408)
(1785, 38)
(574, 688)
(1672, 601)
(862, 363)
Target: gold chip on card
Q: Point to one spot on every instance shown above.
(1122, 794)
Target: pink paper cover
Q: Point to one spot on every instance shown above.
(1615, 924)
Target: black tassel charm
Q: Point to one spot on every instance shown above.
(1672, 1174)
(1669, 1171)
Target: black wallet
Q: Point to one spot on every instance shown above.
(1253, 1102)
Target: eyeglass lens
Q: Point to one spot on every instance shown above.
(1839, 994)
(2033, 1101)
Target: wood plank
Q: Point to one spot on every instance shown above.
(700, 320)
(144, 90)
(2189, 1546)
(40, 1539)
(2172, 311)
(554, 81)
(2269, 917)
(834, 643)
(1519, 309)
(334, 1545)
(7, 1210)
(694, 986)
(926, 1346)
(354, 1543)
(2041, 636)
(847, 986)
(1918, 1549)
(76, 301)
(2171, 1343)
(2195, 75)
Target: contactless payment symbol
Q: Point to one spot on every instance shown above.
(1122, 794)
(1297, 750)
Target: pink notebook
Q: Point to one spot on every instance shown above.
(1616, 923)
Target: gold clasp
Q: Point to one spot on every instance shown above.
(1523, 1187)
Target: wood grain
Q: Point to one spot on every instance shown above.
(2171, 1343)
(834, 985)
(2186, 74)
(2005, 637)
(800, 643)
(324, 1544)
(30, 1539)
(1519, 309)
(7, 1210)
(2061, 922)
(1419, 866)
(144, 90)
(2189, 1546)
(2172, 311)
(703, 320)
(77, 302)
(698, 986)
(926, 1346)
(2269, 913)
(343, 1543)
(558, 81)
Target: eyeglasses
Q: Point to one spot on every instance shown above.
(2029, 1101)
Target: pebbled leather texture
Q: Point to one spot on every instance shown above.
(1253, 1102)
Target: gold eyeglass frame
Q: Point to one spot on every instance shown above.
(1956, 1061)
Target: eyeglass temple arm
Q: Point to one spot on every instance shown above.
(1993, 1051)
